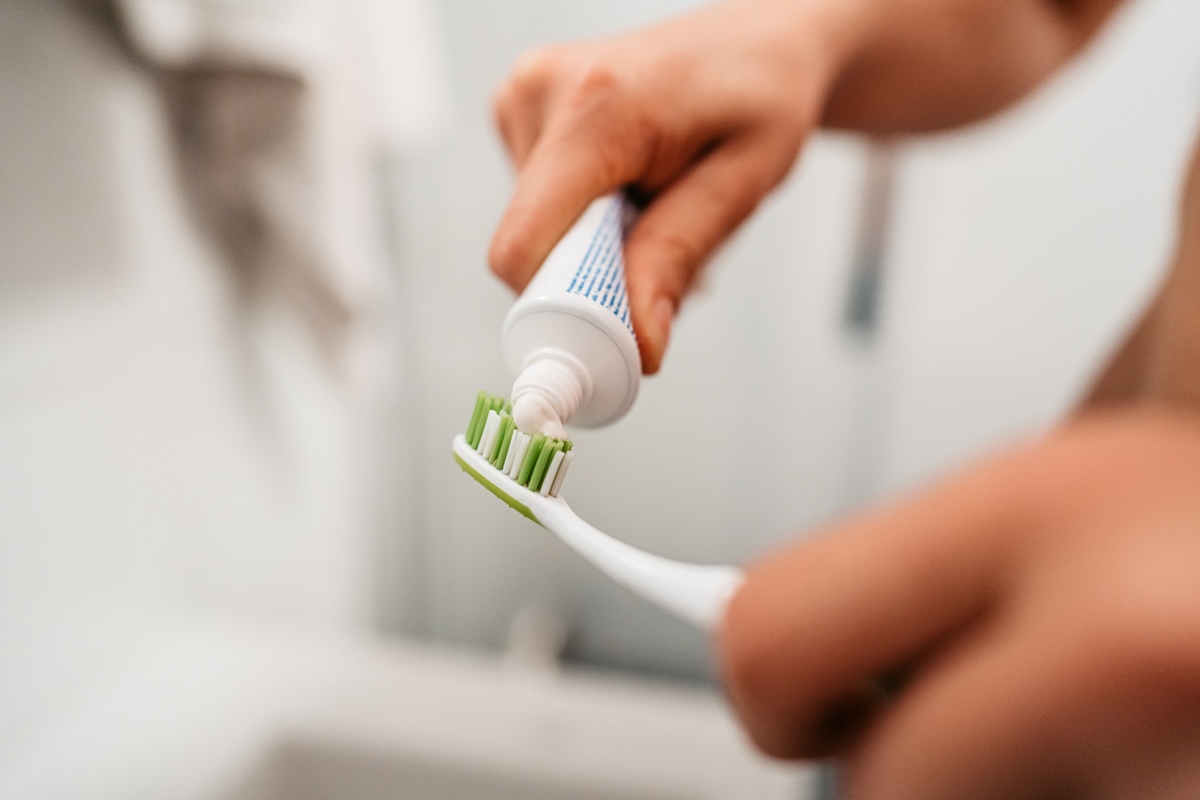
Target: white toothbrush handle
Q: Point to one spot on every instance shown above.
(697, 593)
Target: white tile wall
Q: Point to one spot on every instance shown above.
(1024, 248)
(160, 451)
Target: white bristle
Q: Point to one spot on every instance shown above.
(551, 473)
(483, 435)
(493, 438)
(522, 444)
(512, 452)
(562, 472)
(489, 434)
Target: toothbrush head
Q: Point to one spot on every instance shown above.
(507, 462)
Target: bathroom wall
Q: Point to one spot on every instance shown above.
(169, 444)
(1024, 247)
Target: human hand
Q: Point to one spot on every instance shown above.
(702, 116)
(1042, 612)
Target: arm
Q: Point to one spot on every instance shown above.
(1158, 362)
(704, 114)
(930, 64)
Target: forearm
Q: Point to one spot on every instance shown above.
(920, 65)
(1159, 362)
(705, 113)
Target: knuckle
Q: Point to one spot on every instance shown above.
(533, 68)
(525, 82)
(598, 80)
(603, 117)
(601, 95)
(609, 161)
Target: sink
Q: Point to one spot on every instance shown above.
(216, 712)
(324, 771)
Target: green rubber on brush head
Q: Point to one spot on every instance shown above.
(512, 502)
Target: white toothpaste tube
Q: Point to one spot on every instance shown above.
(569, 338)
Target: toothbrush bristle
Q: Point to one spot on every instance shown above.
(537, 462)
(503, 439)
(480, 399)
(545, 456)
(531, 457)
(562, 471)
(551, 473)
(520, 447)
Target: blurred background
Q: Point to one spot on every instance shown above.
(244, 308)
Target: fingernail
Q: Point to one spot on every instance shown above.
(662, 312)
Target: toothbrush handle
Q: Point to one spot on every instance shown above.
(697, 593)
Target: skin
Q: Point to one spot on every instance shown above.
(1157, 363)
(1041, 611)
(704, 114)
(1026, 628)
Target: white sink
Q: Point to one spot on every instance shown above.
(215, 713)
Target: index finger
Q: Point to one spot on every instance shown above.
(584, 152)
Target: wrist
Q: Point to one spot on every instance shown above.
(822, 37)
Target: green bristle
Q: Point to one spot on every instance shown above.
(506, 437)
(551, 447)
(531, 456)
(505, 422)
(477, 417)
(567, 446)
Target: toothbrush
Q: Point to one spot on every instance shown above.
(527, 472)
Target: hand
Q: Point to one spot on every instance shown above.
(1037, 620)
(702, 116)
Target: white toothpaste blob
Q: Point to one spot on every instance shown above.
(548, 392)
(534, 414)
